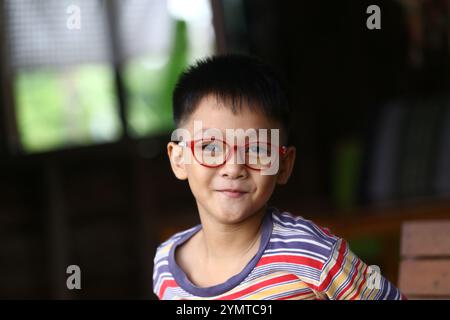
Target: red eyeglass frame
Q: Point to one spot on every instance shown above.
(281, 151)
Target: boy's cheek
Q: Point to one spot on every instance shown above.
(196, 174)
(266, 184)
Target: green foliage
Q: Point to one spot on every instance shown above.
(150, 82)
(64, 107)
(77, 105)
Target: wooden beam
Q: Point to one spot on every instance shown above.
(117, 63)
(219, 26)
(425, 277)
(426, 239)
(8, 125)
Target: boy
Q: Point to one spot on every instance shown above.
(244, 249)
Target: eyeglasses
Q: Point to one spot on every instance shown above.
(213, 153)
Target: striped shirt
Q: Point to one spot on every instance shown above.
(296, 260)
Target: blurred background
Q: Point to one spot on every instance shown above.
(85, 116)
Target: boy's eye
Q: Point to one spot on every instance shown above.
(257, 149)
(212, 147)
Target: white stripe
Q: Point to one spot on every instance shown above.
(300, 271)
(162, 277)
(297, 250)
(162, 263)
(303, 226)
(300, 240)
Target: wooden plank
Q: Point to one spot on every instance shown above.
(426, 238)
(425, 277)
(378, 220)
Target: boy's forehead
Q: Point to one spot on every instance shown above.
(213, 112)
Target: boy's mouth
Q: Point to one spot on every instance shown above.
(232, 193)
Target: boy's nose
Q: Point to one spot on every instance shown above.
(233, 168)
(237, 156)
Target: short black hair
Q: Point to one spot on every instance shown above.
(232, 78)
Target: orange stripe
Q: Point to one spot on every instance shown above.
(351, 281)
(335, 268)
(360, 286)
(257, 286)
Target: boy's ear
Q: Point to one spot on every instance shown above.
(286, 165)
(176, 157)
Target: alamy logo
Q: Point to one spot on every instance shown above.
(374, 279)
(374, 20)
(74, 280)
(74, 18)
(259, 149)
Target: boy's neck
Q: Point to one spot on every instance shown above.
(230, 241)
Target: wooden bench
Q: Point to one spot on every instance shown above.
(425, 260)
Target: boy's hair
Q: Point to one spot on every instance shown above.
(232, 78)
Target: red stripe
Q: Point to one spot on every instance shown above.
(166, 284)
(259, 285)
(334, 270)
(360, 286)
(351, 281)
(290, 259)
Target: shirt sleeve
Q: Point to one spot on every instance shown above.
(345, 276)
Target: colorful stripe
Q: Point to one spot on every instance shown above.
(299, 261)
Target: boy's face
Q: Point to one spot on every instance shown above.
(211, 186)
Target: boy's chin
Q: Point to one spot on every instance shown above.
(232, 215)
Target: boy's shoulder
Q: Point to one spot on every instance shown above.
(301, 246)
(291, 227)
(284, 223)
(287, 228)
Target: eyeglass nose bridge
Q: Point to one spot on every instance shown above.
(232, 151)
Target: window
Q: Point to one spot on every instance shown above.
(65, 87)
(156, 51)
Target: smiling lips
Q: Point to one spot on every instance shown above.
(232, 193)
